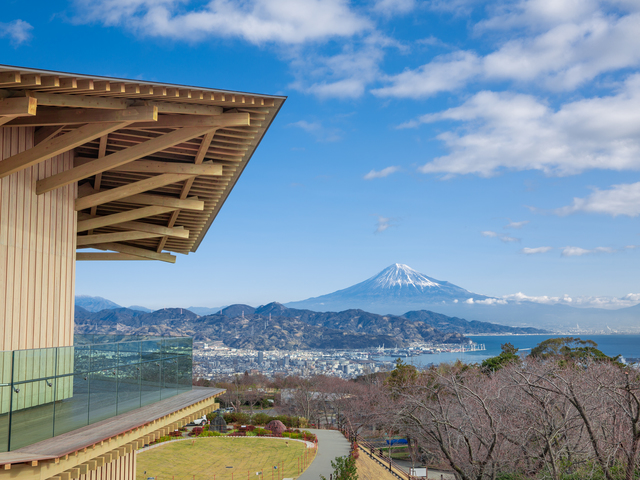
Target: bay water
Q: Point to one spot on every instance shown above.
(612, 345)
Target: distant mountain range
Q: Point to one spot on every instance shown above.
(275, 326)
(97, 304)
(399, 288)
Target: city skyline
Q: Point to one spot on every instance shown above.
(492, 146)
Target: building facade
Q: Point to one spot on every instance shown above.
(102, 169)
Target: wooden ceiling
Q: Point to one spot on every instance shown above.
(154, 162)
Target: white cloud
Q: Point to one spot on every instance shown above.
(536, 250)
(256, 21)
(385, 172)
(580, 301)
(578, 251)
(518, 132)
(516, 225)
(507, 239)
(623, 199)
(556, 44)
(321, 133)
(504, 238)
(18, 31)
(306, 126)
(394, 7)
(383, 223)
(492, 301)
(343, 75)
(445, 74)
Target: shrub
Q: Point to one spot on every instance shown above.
(210, 433)
(196, 431)
(344, 468)
(354, 450)
(261, 432)
(260, 419)
(237, 417)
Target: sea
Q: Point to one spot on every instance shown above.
(612, 345)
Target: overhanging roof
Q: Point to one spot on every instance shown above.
(154, 162)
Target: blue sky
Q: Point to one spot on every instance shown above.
(494, 145)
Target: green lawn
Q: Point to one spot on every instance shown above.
(208, 459)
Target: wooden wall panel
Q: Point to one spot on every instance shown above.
(37, 252)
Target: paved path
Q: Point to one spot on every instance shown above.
(331, 444)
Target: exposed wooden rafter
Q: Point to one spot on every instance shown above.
(56, 146)
(116, 218)
(155, 162)
(119, 158)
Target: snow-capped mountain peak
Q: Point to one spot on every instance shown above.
(398, 285)
(399, 275)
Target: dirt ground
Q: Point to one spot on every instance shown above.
(370, 470)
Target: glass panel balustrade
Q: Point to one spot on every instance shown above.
(50, 391)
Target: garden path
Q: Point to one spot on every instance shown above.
(331, 444)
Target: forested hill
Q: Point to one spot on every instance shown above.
(359, 320)
(250, 331)
(275, 326)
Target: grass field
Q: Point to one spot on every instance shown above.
(209, 459)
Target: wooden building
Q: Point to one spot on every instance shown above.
(95, 168)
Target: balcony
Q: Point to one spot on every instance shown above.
(51, 391)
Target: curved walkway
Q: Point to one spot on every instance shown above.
(331, 444)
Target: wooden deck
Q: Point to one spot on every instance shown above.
(89, 435)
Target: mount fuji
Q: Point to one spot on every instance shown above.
(396, 287)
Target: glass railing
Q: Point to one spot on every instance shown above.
(49, 391)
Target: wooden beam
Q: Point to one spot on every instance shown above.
(184, 108)
(127, 190)
(9, 78)
(80, 101)
(46, 133)
(178, 232)
(179, 121)
(191, 203)
(102, 151)
(106, 220)
(113, 237)
(141, 252)
(18, 107)
(56, 146)
(101, 256)
(152, 166)
(202, 150)
(119, 158)
(68, 116)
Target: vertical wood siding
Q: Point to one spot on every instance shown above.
(37, 251)
(122, 468)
